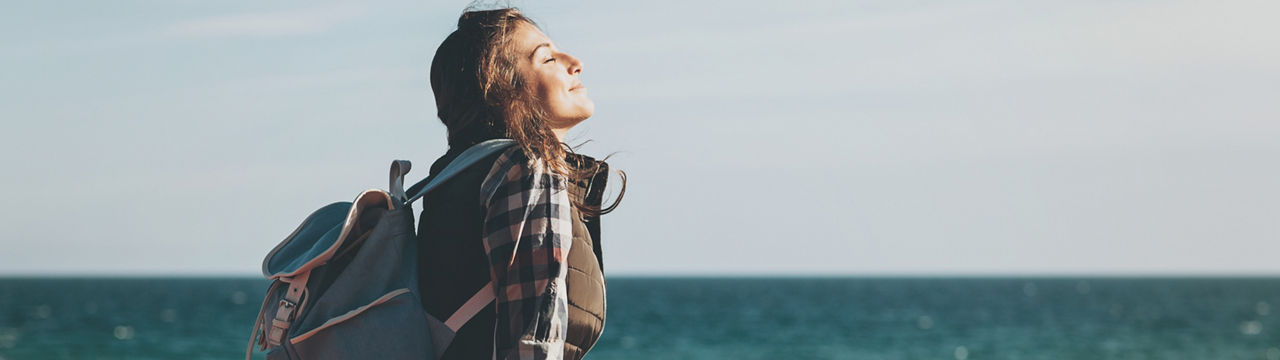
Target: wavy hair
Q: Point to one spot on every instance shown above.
(480, 95)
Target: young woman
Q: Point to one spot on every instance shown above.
(525, 220)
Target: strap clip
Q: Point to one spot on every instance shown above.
(280, 324)
(285, 310)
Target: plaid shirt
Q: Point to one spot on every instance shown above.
(527, 234)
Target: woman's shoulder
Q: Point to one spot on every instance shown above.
(514, 163)
(511, 166)
(512, 160)
(517, 159)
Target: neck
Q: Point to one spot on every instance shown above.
(560, 133)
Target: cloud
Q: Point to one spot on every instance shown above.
(282, 23)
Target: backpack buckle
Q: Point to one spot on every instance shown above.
(285, 311)
(280, 324)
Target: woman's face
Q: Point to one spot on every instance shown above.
(553, 77)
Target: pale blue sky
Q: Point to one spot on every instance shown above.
(867, 137)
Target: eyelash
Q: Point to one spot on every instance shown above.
(548, 60)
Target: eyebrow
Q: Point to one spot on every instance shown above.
(535, 48)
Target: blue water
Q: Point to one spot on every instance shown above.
(719, 318)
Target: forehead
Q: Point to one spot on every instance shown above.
(526, 37)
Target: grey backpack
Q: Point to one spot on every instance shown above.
(345, 283)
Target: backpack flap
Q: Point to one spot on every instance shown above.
(321, 235)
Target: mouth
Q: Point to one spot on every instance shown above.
(577, 86)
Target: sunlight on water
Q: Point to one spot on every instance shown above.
(123, 332)
(239, 298)
(8, 337)
(1082, 287)
(43, 312)
(1251, 327)
(1116, 310)
(924, 322)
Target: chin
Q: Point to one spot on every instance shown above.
(578, 119)
(583, 111)
(573, 113)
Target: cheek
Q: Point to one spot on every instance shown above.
(544, 88)
(556, 100)
(553, 95)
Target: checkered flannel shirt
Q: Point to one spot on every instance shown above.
(527, 234)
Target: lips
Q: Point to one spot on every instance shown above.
(577, 86)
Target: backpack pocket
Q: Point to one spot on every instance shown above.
(394, 326)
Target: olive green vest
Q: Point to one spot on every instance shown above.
(453, 265)
(586, 270)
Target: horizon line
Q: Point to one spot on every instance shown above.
(743, 275)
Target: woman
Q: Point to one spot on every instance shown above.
(525, 220)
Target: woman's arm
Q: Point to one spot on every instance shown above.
(527, 234)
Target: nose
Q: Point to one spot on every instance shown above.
(575, 64)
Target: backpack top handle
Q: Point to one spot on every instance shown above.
(469, 157)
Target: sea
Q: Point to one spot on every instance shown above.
(718, 318)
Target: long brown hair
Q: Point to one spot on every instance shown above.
(480, 95)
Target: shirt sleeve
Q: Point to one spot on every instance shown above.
(527, 235)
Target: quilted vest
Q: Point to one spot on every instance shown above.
(454, 264)
(585, 281)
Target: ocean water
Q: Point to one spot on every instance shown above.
(720, 318)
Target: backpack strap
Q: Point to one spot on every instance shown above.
(469, 157)
(286, 311)
(471, 307)
(288, 308)
(443, 332)
(475, 153)
(255, 335)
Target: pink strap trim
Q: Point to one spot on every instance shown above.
(350, 314)
(289, 307)
(471, 308)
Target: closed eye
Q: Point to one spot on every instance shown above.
(549, 60)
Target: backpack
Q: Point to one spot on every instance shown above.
(345, 283)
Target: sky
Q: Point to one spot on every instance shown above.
(843, 138)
